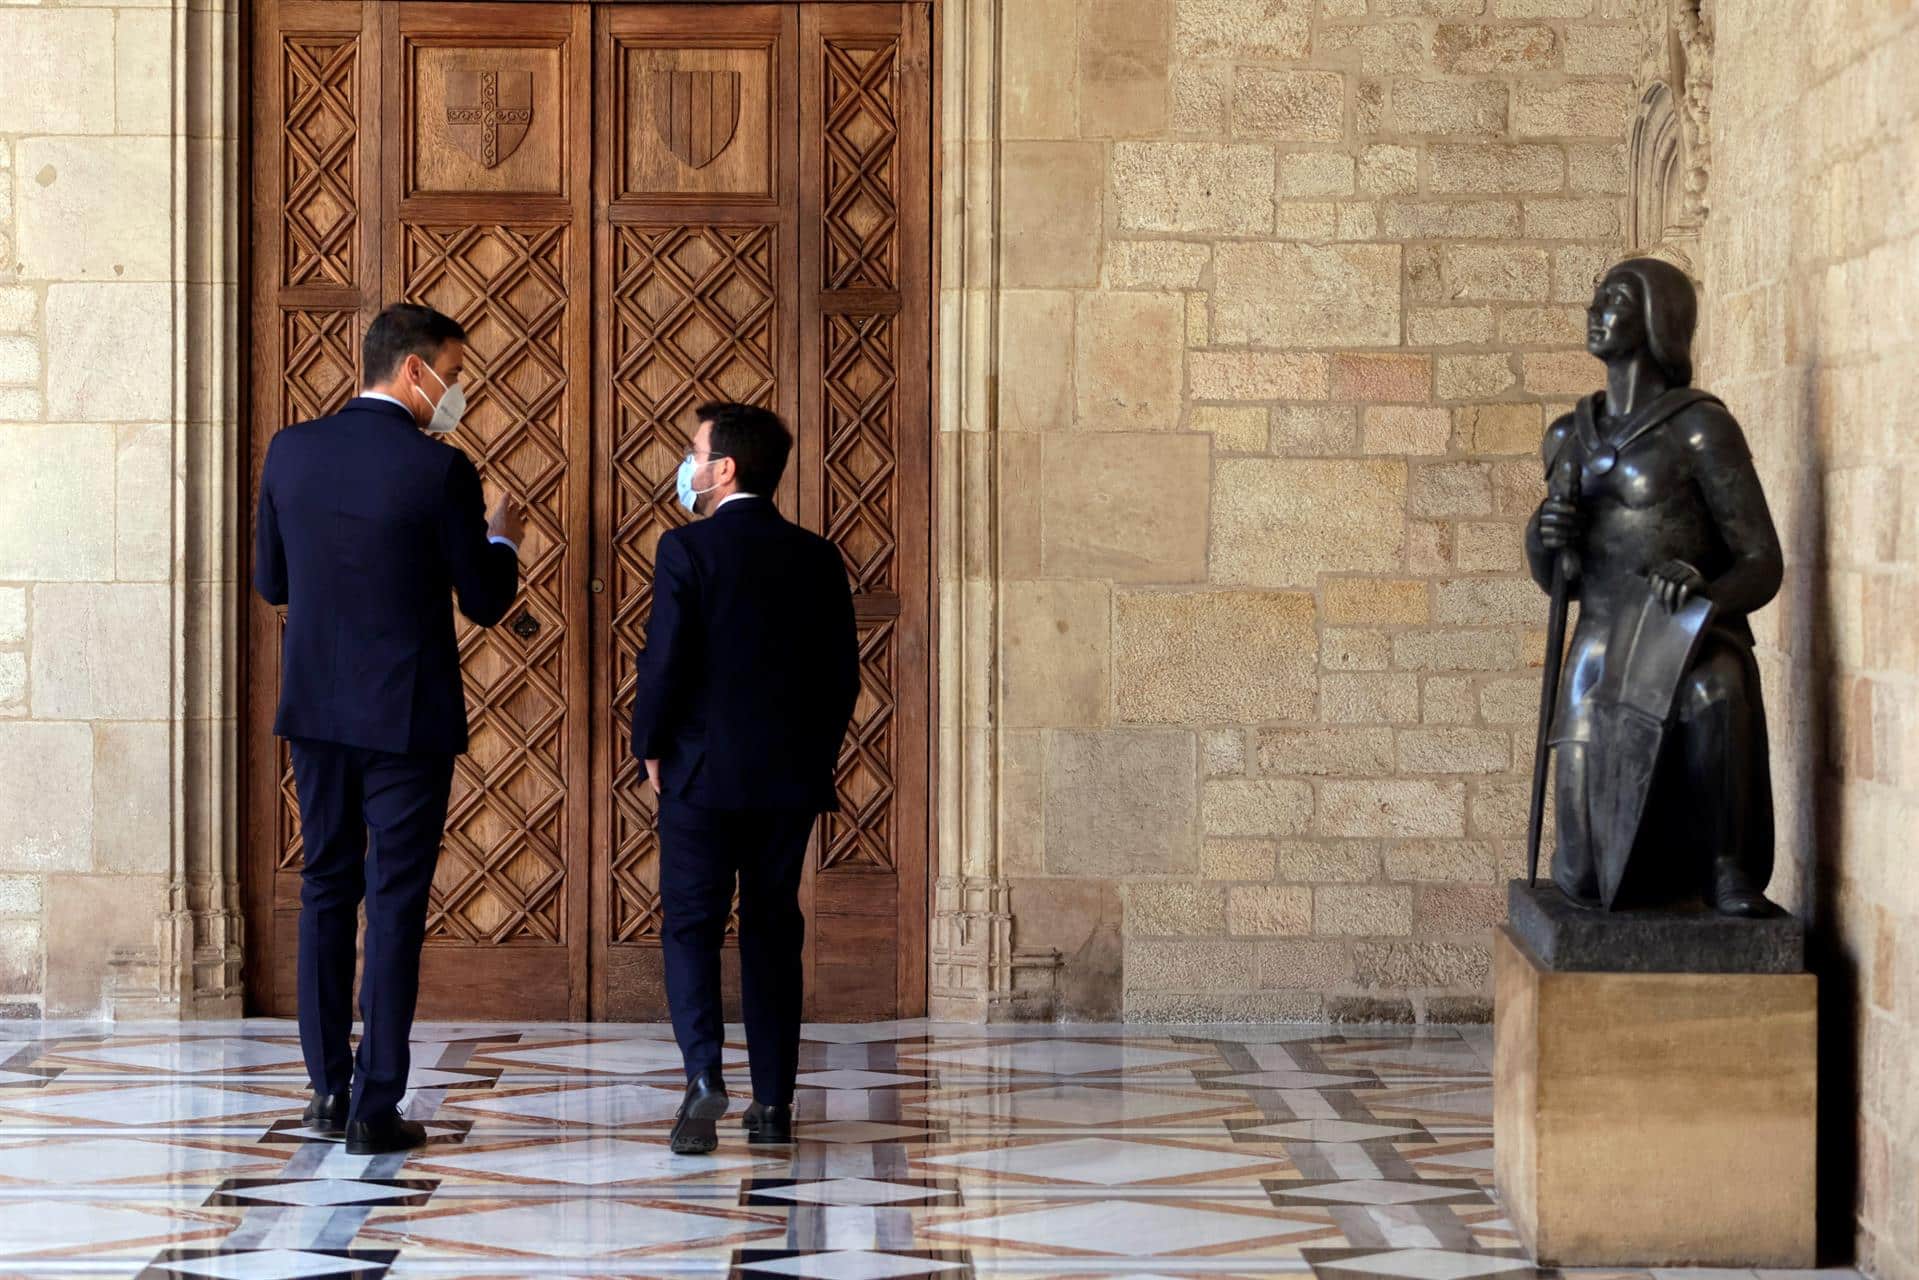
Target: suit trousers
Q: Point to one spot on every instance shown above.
(703, 853)
(371, 824)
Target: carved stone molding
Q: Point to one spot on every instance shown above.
(977, 973)
(1670, 157)
(192, 969)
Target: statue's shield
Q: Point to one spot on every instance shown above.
(489, 112)
(1647, 654)
(695, 113)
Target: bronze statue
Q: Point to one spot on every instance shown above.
(1655, 523)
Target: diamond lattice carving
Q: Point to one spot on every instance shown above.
(503, 868)
(860, 218)
(861, 833)
(322, 363)
(693, 320)
(862, 447)
(320, 159)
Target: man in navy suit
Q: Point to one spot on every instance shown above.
(742, 698)
(368, 523)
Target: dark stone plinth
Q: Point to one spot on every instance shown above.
(1567, 938)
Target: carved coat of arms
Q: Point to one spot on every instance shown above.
(489, 112)
(695, 112)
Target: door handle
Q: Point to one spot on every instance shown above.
(526, 626)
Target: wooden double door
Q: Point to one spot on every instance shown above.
(632, 209)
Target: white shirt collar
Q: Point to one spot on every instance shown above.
(381, 395)
(733, 497)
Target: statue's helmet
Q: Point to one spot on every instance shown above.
(1672, 313)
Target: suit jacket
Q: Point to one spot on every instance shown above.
(366, 526)
(751, 666)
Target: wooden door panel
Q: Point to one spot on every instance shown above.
(696, 300)
(486, 222)
(864, 481)
(632, 209)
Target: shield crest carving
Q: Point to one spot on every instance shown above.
(489, 112)
(695, 113)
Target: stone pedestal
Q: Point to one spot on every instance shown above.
(1655, 1119)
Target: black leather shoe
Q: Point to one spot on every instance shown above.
(695, 1128)
(750, 1118)
(773, 1125)
(326, 1113)
(383, 1135)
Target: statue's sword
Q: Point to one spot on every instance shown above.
(1562, 484)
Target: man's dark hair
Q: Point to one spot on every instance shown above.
(404, 329)
(756, 440)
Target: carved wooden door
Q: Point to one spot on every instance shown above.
(632, 209)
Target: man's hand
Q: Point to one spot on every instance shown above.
(653, 775)
(1559, 524)
(507, 520)
(1676, 582)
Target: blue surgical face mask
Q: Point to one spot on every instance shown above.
(683, 482)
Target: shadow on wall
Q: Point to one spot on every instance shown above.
(1814, 851)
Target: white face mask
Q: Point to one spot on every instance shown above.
(446, 414)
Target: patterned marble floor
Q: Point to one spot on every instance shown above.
(926, 1152)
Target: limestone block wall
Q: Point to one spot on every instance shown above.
(1289, 289)
(1812, 296)
(87, 546)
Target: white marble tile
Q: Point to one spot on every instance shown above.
(623, 1057)
(853, 1264)
(1433, 1264)
(608, 1105)
(1122, 1227)
(849, 1191)
(574, 1228)
(193, 1057)
(1076, 1104)
(40, 1225)
(591, 1162)
(151, 1106)
(92, 1160)
(1065, 1057)
(1107, 1162)
(266, 1264)
(1328, 1131)
(850, 1078)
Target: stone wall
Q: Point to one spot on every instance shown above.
(109, 221)
(1289, 289)
(1812, 291)
(86, 528)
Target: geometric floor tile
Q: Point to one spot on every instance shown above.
(147, 1106)
(1106, 1162)
(188, 1057)
(848, 1191)
(581, 1228)
(852, 1264)
(1377, 1191)
(1123, 1227)
(624, 1057)
(591, 1162)
(36, 1226)
(925, 1151)
(1414, 1264)
(313, 1192)
(605, 1105)
(1063, 1057)
(66, 1161)
(270, 1264)
(1326, 1131)
(1074, 1104)
(850, 1078)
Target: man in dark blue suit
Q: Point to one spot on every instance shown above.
(367, 525)
(744, 692)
